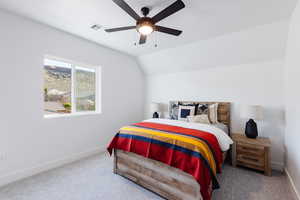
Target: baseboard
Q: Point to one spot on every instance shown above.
(21, 174)
(292, 184)
(277, 166)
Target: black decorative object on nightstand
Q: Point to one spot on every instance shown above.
(251, 129)
(252, 112)
(155, 115)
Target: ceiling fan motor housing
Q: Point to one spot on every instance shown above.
(145, 11)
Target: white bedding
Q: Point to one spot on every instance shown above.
(221, 126)
(224, 140)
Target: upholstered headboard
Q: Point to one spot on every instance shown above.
(223, 110)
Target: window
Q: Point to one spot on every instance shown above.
(70, 88)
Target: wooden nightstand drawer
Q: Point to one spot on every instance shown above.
(249, 149)
(251, 160)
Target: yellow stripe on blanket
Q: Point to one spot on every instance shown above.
(188, 142)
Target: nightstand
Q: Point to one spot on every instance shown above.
(252, 153)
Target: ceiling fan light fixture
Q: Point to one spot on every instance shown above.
(145, 26)
(145, 30)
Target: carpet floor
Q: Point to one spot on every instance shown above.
(92, 179)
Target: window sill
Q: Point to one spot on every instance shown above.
(71, 115)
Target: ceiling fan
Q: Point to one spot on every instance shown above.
(146, 25)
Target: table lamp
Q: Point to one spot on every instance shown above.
(154, 107)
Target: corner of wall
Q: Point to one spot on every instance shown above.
(295, 192)
(291, 79)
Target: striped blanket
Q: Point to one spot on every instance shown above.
(195, 152)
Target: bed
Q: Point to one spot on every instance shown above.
(173, 181)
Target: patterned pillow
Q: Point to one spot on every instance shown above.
(173, 109)
(190, 104)
(202, 109)
(185, 111)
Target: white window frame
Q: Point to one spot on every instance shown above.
(73, 88)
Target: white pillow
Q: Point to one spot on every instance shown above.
(203, 119)
(185, 111)
(213, 113)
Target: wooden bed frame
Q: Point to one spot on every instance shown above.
(168, 182)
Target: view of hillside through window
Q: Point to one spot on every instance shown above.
(85, 89)
(65, 94)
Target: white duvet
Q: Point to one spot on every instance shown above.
(224, 140)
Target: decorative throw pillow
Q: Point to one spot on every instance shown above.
(185, 111)
(203, 119)
(189, 104)
(173, 109)
(213, 113)
(202, 109)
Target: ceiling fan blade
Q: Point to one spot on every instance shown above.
(168, 30)
(120, 29)
(173, 8)
(143, 39)
(122, 4)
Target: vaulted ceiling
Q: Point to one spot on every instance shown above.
(200, 20)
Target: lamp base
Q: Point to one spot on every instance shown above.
(155, 115)
(251, 129)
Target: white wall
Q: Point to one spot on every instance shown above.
(27, 140)
(243, 68)
(292, 82)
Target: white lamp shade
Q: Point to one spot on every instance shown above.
(154, 107)
(252, 112)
